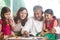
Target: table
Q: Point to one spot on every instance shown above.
(27, 38)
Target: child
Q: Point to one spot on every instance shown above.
(49, 24)
(6, 24)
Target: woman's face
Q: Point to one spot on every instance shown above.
(48, 16)
(7, 15)
(38, 14)
(23, 14)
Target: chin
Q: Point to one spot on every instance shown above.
(47, 20)
(7, 18)
(38, 19)
(23, 18)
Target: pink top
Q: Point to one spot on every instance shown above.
(49, 26)
(6, 28)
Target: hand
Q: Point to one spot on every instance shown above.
(26, 34)
(53, 30)
(10, 21)
(46, 30)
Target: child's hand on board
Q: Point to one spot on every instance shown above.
(53, 30)
(25, 34)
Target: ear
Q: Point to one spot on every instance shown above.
(42, 12)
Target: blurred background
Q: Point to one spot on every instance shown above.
(14, 5)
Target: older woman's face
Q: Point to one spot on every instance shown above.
(38, 14)
(23, 14)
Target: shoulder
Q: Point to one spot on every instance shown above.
(31, 18)
(55, 21)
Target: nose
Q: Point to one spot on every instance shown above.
(46, 17)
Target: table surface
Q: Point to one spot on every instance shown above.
(27, 38)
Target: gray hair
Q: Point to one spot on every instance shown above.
(37, 7)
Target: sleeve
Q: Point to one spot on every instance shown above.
(0, 25)
(0, 21)
(27, 26)
(17, 27)
(57, 29)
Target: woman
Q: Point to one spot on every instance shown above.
(20, 20)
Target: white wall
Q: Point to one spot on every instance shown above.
(52, 4)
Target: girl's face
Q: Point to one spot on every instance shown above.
(48, 16)
(23, 14)
(7, 15)
(38, 14)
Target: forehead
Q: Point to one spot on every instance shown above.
(37, 11)
(8, 12)
(24, 11)
(47, 14)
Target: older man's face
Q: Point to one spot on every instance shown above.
(38, 14)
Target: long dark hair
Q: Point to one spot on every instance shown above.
(3, 11)
(17, 17)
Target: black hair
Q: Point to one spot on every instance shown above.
(49, 11)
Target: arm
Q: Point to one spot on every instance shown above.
(0, 27)
(0, 31)
(55, 23)
(27, 27)
(44, 26)
(12, 24)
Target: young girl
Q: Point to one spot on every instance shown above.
(49, 24)
(6, 23)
